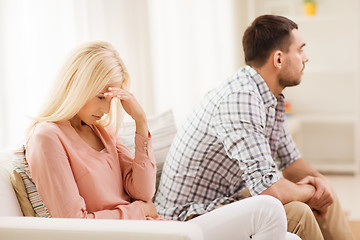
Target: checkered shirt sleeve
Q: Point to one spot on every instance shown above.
(287, 151)
(240, 125)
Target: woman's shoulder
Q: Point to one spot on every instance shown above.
(46, 127)
(49, 129)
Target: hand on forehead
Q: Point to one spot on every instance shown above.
(111, 87)
(113, 90)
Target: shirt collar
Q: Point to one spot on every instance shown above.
(268, 97)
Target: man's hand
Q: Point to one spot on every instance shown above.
(322, 198)
(287, 191)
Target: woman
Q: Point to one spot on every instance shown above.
(82, 170)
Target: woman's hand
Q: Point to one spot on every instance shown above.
(131, 107)
(149, 209)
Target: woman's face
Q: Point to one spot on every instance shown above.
(95, 108)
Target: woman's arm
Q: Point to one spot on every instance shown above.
(139, 173)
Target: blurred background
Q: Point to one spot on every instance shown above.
(177, 50)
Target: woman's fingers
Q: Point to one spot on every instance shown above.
(116, 92)
(128, 101)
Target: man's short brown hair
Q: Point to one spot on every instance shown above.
(265, 34)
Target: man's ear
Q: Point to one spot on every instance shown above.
(278, 59)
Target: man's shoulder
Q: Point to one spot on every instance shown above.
(242, 80)
(240, 84)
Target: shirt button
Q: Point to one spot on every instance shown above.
(145, 148)
(145, 142)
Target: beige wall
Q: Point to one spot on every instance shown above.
(241, 19)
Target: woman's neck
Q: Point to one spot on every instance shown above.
(87, 133)
(78, 124)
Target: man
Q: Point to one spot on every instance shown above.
(238, 137)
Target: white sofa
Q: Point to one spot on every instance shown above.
(31, 228)
(13, 225)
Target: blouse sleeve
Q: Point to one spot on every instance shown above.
(54, 180)
(139, 173)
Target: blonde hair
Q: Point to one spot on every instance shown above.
(88, 70)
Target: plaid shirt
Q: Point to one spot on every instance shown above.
(229, 143)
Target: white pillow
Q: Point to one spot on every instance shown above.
(9, 205)
(162, 128)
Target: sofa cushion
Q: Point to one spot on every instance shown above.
(22, 168)
(9, 205)
(21, 194)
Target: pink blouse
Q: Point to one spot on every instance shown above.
(76, 181)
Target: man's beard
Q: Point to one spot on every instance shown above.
(288, 80)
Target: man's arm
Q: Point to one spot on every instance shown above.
(300, 169)
(301, 173)
(287, 191)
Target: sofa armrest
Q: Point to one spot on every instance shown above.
(30, 228)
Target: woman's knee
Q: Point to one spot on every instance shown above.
(269, 210)
(271, 204)
(269, 200)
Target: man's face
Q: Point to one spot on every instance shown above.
(293, 61)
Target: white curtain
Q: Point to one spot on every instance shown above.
(193, 50)
(175, 51)
(36, 36)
